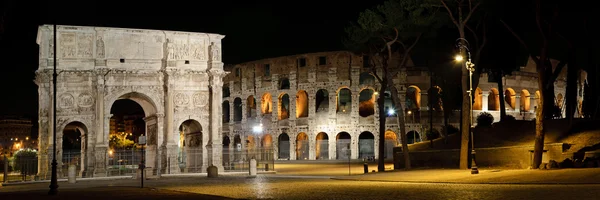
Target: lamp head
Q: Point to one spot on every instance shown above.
(458, 58)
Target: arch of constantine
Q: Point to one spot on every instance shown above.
(323, 105)
(176, 77)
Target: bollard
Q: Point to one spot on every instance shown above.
(267, 167)
(253, 167)
(366, 167)
(72, 174)
(212, 171)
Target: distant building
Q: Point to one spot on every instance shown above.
(15, 133)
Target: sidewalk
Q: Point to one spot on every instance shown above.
(485, 176)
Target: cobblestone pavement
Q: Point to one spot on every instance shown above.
(299, 187)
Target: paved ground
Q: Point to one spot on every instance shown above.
(330, 181)
(280, 187)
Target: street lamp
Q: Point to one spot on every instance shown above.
(463, 44)
(53, 179)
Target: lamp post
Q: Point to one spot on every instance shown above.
(53, 180)
(471, 68)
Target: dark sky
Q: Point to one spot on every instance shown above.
(253, 31)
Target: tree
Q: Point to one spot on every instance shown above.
(461, 20)
(544, 20)
(390, 31)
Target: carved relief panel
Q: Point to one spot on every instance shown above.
(68, 45)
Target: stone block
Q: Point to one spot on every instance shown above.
(212, 171)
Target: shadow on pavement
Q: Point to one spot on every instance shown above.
(104, 193)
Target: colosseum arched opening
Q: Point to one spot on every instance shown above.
(477, 99)
(366, 78)
(510, 97)
(266, 102)
(251, 146)
(301, 104)
(322, 101)
(283, 107)
(388, 105)
(559, 101)
(237, 110)
(413, 137)
(283, 143)
(226, 151)
(494, 100)
(344, 101)
(302, 146)
(266, 144)
(366, 145)
(342, 145)
(237, 146)
(366, 106)
(322, 146)
(251, 107)
(391, 141)
(525, 100)
(226, 116)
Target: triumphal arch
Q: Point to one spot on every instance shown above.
(176, 77)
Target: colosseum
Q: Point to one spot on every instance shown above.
(334, 114)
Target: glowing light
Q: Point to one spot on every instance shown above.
(110, 152)
(458, 58)
(257, 129)
(376, 93)
(391, 112)
(409, 112)
(26, 138)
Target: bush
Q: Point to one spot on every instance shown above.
(25, 161)
(485, 119)
(451, 129)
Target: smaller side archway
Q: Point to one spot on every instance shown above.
(74, 146)
(226, 115)
(250, 107)
(192, 148)
(413, 137)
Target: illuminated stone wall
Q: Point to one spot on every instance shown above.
(344, 77)
(174, 76)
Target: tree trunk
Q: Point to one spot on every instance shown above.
(431, 97)
(539, 133)
(540, 115)
(501, 95)
(445, 127)
(571, 93)
(466, 112)
(401, 124)
(382, 117)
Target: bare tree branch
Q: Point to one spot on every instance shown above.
(450, 13)
(474, 34)
(538, 19)
(471, 11)
(556, 72)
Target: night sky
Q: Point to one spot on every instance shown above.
(253, 31)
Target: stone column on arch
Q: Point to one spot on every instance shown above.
(485, 100)
(332, 145)
(311, 145)
(215, 99)
(244, 109)
(354, 135)
(517, 103)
